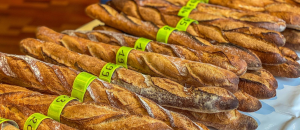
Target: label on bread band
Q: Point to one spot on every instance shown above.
(81, 83)
(193, 3)
(33, 121)
(122, 56)
(3, 120)
(57, 106)
(108, 71)
(164, 33)
(185, 11)
(184, 23)
(141, 43)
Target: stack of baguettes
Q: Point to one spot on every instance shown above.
(202, 77)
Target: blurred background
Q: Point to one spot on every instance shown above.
(20, 18)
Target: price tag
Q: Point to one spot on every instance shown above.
(108, 71)
(58, 105)
(184, 23)
(164, 33)
(81, 83)
(3, 120)
(141, 43)
(33, 121)
(122, 56)
(185, 11)
(193, 3)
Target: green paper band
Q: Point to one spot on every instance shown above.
(81, 83)
(193, 3)
(184, 23)
(3, 120)
(122, 55)
(33, 122)
(58, 105)
(164, 33)
(108, 71)
(141, 43)
(185, 11)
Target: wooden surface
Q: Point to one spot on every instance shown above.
(20, 18)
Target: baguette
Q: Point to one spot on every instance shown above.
(253, 62)
(161, 48)
(189, 73)
(247, 81)
(258, 19)
(20, 114)
(138, 28)
(292, 39)
(288, 12)
(153, 88)
(212, 30)
(47, 78)
(290, 69)
(232, 120)
(260, 84)
(80, 115)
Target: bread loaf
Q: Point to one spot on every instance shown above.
(292, 39)
(80, 115)
(288, 12)
(119, 39)
(290, 69)
(48, 78)
(232, 120)
(20, 113)
(153, 88)
(270, 54)
(188, 73)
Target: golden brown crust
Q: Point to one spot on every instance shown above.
(246, 99)
(232, 120)
(30, 73)
(292, 39)
(186, 72)
(260, 84)
(106, 28)
(166, 49)
(7, 126)
(153, 88)
(20, 114)
(79, 115)
(290, 69)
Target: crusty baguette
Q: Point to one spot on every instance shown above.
(20, 114)
(48, 78)
(290, 69)
(79, 115)
(253, 62)
(255, 18)
(292, 39)
(232, 120)
(212, 30)
(183, 71)
(251, 81)
(146, 29)
(119, 39)
(260, 84)
(288, 12)
(153, 88)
